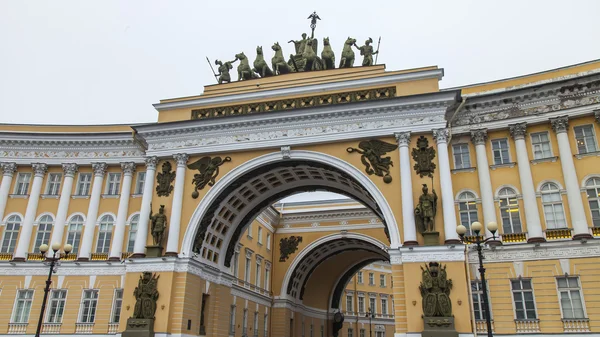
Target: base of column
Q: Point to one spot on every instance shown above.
(137, 256)
(171, 254)
(114, 258)
(18, 259)
(410, 243)
(536, 240)
(583, 236)
(83, 259)
(452, 242)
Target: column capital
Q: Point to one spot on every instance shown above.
(128, 168)
(478, 137)
(8, 169)
(518, 131)
(403, 138)
(70, 169)
(151, 162)
(441, 136)
(560, 124)
(39, 169)
(181, 159)
(99, 168)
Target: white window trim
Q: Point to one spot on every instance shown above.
(137, 183)
(76, 194)
(593, 133)
(507, 149)
(454, 156)
(19, 174)
(108, 182)
(489, 300)
(533, 150)
(12, 314)
(47, 314)
(81, 306)
(114, 302)
(4, 231)
(48, 182)
(585, 314)
(512, 299)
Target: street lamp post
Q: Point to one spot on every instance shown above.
(479, 242)
(55, 249)
(371, 315)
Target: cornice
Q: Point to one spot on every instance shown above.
(543, 251)
(328, 215)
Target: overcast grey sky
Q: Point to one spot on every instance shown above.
(85, 62)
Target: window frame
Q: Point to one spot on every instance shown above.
(53, 187)
(373, 304)
(593, 136)
(470, 204)
(509, 210)
(106, 233)
(384, 305)
(596, 199)
(361, 297)
(568, 289)
(371, 279)
(268, 239)
(47, 233)
(382, 281)
(82, 306)
(14, 234)
(524, 307)
(50, 303)
(462, 154)
(113, 186)
(87, 184)
(259, 235)
(77, 234)
(503, 161)
(540, 143)
(133, 229)
(479, 294)
(349, 300)
(19, 190)
(359, 277)
(553, 204)
(29, 300)
(140, 181)
(117, 303)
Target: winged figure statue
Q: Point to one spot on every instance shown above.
(208, 170)
(372, 152)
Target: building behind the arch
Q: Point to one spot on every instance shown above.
(521, 151)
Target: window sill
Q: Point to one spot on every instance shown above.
(110, 196)
(461, 170)
(18, 196)
(508, 165)
(588, 154)
(50, 196)
(137, 195)
(543, 160)
(249, 237)
(259, 243)
(80, 197)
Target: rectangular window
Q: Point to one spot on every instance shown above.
(117, 304)
(132, 233)
(361, 333)
(245, 322)
(74, 235)
(104, 237)
(500, 151)
(372, 305)
(384, 308)
(266, 325)
(259, 235)
(311, 330)
(586, 140)
(322, 331)
(53, 187)
(268, 240)
(350, 332)
(359, 277)
(349, 303)
(250, 230)
(382, 280)
(22, 185)
(236, 264)
(56, 306)
(232, 320)
(22, 306)
(379, 333)
(540, 143)
(523, 299)
(113, 184)
(248, 266)
(11, 232)
(371, 279)
(461, 156)
(139, 183)
(44, 230)
(478, 306)
(84, 183)
(267, 276)
(255, 328)
(571, 302)
(361, 304)
(89, 303)
(258, 272)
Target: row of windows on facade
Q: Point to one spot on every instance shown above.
(552, 205)
(248, 270)
(540, 143)
(569, 296)
(245, 323)
(74, 232)
(56, 306)
(382, 283)
(84, 183)
(372, 305)
(362, 333)
(259, 234)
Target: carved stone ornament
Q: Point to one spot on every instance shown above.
(151, 162)
(70, 169)
(164, 180)
(39, 169)
(158, 225)
(435, 289)
(208, 170)
(8, 169)
(181, 159)
(372, 152)
(518, 131)
(99, 168)
(560, 124)
(441, 135)
(128, 168)
(288, 246)
(426, 210)
(478, 137)
(403, 138)
(597, 115)
(285, 152)
(146, 295)
(423, 155)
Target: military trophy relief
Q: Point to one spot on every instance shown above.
(372, 156)
(141, 323)
(288, 246)
(164, 180)
(426, 209)
(208, 171)
(306, 57)
(158, 226)
(435, 290)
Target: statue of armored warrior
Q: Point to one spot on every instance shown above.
(426, 210)
(367, 52)
(224, 70)
(146, 296)
(300, 44)
(159, 224)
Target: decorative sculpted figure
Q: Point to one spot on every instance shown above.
(347, 60)
(164, 180)
(278, 62)
(327, 55)
(159, 224)
(260, 66)
(300, 44)
(224, 69)
(146, 296)
(244, 70)
(288, 246)
(372, 152)
(423, 155)
(426, 210)
(435, 290)
(208, 170)
(367, 52)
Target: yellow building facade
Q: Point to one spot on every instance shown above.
(238, 260)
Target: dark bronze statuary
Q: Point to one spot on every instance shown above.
(224, 68)
(288, 246)
(437, 308)
(426, 210)
(164, 180)
(159, 224)
(141, 323)
(208, 170)
(367, 52)
(372, 152)
(423, 155)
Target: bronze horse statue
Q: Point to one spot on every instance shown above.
(260, 66)
(244, 70)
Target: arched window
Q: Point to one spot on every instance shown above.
(44, 231)
(509, 211)
(133, 225)
(553, 206)
(467, 210)
(74, 233)
(11, 232)
(105, 234)
(592, 186)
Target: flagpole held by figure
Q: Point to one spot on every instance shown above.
(377, 52)
(212, 69)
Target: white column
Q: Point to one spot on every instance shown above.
(532, 213)
(116, 247)
(408, 217)
(8, 171)
(141, 237)
(63, 204)
(441, 139)
(39, 171)
(92, 214)
(175, 220)
(478, 137)
(580, 226)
